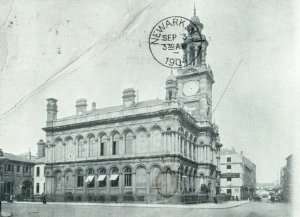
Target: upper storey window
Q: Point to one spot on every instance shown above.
(92, 147)
(80, 148)
(115, 144)
(141, 145)
(156, 141)
(128, 143)
(103, 144)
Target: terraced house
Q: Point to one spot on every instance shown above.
(149, 151)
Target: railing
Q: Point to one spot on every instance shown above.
(114, 114)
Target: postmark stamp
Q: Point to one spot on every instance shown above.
(167, 182)
(168, 39)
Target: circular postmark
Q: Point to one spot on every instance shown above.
(167, 182)
(168, 41)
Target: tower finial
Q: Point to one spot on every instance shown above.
(194, 9)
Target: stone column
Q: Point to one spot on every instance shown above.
(148, 182)
(63, 184)
(121, 146)
(75, 150)
(176, 143)
(97, 142)
(165, 143)
(196, 57)
(109, 147)
(134, 144)
(197, 184)
(134, 183)
(121, 182)
(86, 149)
(74, 183)
(187, 148)
(148, 141)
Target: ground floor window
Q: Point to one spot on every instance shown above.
(127, 177)
(79, 179)
(114, 178)
(90, 179)
(102, 178)
(37, 188)
(229, 191)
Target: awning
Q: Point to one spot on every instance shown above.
(89, 178)
(101, 178)
(113, 177)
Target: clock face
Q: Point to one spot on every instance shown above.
(190, 88)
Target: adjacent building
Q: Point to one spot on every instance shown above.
(144, 151)
(39, 170)
(16, 175)
(238, 174)
(286, 179)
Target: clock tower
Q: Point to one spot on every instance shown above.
(195, 79)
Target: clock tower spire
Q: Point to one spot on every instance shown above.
(195, 78)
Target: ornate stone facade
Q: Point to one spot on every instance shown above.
(154, 149)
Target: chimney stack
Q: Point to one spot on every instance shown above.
(1, 153)
(81, 105)
(51, 109)
(93, 106)
(129, 97)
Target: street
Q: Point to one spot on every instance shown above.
(253, 209)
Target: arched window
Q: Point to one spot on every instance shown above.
(79, 178)
(59, 151)
(114, 177)
(115, 144)
(127, 177)
(103, 145)
(90, 180)
(141, 178)
(156, 141)
(142, 147)
(154, 173)
(58, 184)
(92, 147)
(69, 180)
(128, 143)
(102, 178)
(69, 149)
(81, 148)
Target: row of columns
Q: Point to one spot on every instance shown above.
(121, 188)
(172, 143)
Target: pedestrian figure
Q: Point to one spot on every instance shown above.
(44, 198)
(236, 198)
(11, 198)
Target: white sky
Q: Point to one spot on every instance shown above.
(103, 49)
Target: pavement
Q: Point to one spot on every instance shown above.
(227, 209)
(5, 214)
(224, 205)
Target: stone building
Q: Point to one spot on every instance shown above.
(148, 150)
(238, 174)
(16, 175)
(286, 180)
(39, 185)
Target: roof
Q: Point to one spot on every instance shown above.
(121, 107)
(40, 160)
(228, 151)
(13, 157)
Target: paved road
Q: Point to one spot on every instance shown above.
(253, 209)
